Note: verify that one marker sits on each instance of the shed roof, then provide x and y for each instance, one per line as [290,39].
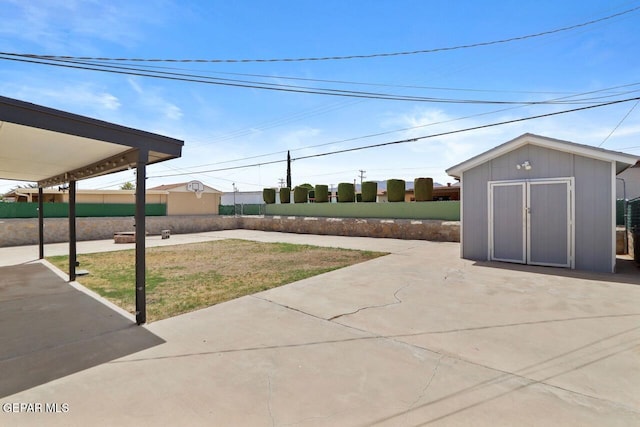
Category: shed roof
[623,160]
[51,147]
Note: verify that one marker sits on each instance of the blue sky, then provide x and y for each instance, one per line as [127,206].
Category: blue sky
[226,126]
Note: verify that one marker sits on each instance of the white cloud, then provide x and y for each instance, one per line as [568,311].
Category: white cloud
[80,97]
[74,26]
[299,137]
[151,98]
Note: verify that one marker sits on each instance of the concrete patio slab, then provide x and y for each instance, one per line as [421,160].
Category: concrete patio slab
[49,329]
[413,338]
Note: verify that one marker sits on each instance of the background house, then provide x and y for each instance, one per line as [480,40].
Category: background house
[182,200]
[628,184]
[172,199]
[51,195]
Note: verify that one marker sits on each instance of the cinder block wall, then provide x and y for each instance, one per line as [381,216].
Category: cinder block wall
[19,232]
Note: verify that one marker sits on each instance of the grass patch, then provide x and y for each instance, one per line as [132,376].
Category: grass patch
[184,278]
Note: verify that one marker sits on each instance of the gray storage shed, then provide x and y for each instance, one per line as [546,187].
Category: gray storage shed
[542,201]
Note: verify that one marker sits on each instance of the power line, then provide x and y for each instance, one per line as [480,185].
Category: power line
[345,57]
[467,129]
[619,123]
[268,86]
[404,141]
[345,82]
[408,128]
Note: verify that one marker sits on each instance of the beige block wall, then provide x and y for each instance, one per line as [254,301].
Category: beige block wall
[180,203]
[105,198]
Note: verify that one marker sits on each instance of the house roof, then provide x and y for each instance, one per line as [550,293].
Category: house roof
[623,160]
[168,186]
[51,147]
[180,185]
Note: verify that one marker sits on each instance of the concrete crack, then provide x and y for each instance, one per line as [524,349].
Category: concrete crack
[395,296]
[425,388]
[273,420]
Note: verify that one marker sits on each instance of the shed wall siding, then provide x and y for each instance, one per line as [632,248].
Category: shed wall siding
[593,214]
[475,213]
[593,200]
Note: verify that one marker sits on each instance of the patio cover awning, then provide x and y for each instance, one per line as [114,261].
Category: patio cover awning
[52,147]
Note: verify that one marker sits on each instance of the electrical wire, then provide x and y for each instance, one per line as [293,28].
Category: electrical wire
[408,128]
[268,86]
[619,123]
[346,57]
[345,82]
[404,141]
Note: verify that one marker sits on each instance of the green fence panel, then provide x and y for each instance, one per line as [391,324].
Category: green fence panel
[633,215]
[620,212]
[241,209]
[61,210]
[250,209]
[226,210]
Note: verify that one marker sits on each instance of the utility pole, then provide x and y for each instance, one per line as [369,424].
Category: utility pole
[234,199]
[288,169]
[281,182]
[362,177]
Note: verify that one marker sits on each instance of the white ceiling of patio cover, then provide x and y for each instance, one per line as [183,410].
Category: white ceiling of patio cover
[32,154]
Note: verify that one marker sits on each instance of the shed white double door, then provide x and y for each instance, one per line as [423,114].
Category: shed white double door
[531,222]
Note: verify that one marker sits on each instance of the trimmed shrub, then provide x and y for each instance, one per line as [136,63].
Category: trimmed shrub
[395,190]
[300,194]
[369,191]
[346,192]
[269,195]
[423,189]
[285,195]
[322,193]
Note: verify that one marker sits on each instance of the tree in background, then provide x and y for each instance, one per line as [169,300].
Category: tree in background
[127,186]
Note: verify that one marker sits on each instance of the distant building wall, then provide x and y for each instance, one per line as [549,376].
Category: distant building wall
[631,184]
[242,197]
[187,203]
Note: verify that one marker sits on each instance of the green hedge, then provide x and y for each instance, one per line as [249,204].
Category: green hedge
[369,191]
[346,192]
[423,189]
[300,194]
[269,195]
[321,194]
[285,195]
[395,190]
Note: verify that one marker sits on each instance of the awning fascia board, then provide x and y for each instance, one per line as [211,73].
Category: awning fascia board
[37,116]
